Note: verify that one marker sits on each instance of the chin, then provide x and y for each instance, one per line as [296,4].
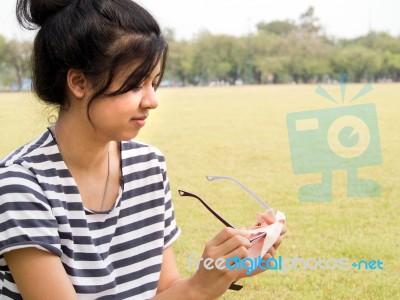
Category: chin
[128,136]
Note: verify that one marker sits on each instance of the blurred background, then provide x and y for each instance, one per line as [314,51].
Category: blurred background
[236,69]
[251,42]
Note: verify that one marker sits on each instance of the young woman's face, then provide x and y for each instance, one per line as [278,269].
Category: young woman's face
[120,117]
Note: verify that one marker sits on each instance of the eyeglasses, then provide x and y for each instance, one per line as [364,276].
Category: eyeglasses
[212,178]
[233,286]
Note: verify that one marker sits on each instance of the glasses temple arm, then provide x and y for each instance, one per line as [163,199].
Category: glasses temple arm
[258,199]
[183,193]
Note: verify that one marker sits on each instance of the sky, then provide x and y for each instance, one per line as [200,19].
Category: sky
[339,18]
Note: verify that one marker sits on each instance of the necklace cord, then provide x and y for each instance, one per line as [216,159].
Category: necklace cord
[108,167]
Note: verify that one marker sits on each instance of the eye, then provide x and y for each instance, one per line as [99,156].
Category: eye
[137,88]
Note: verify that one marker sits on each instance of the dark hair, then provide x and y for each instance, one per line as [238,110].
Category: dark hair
[97,37]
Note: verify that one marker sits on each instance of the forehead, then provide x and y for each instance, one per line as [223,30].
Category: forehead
[129,70]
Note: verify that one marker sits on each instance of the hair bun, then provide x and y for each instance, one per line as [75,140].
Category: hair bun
[32,14]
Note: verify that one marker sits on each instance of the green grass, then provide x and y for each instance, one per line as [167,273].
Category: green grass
[241,132]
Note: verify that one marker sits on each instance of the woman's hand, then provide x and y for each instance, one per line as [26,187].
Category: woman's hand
[229,243]
[213,277]
[267,218]
[272,251]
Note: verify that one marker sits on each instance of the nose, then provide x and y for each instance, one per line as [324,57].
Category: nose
[149,100]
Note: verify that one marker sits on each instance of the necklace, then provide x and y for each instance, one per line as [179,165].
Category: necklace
[108,166]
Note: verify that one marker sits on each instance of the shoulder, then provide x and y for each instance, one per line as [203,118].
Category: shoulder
[37,152]
[19,170]
[140,152]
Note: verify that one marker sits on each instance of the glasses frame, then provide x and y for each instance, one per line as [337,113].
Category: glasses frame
[183,193]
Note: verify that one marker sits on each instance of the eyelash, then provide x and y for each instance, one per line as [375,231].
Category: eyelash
[154,85]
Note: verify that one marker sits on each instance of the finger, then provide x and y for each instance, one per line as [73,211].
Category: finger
[278,242]
[226,234]
[238,253]
[233,243]
[271,263]
[272,251]
[283,229]
[268,216]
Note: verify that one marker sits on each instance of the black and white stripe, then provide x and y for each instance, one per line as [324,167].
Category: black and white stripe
[108,255]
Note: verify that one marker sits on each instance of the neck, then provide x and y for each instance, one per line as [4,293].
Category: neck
[79,144]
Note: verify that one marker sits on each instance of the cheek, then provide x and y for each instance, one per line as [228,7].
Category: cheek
[114,109]
[111,117]
[125,104]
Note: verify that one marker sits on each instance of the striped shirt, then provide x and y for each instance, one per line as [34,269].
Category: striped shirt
[107,255]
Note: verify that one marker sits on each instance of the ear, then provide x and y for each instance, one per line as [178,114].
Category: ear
[77,83]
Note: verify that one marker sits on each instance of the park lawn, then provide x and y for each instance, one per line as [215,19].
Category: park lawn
[241,132]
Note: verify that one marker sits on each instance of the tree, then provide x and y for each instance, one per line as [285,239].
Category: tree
[359,63]
[269,63]
[391,66]
[16,56]
[283,51]
[309,23]
[3,66]
[277,27]
[218,58]
[379,41]
[180,62]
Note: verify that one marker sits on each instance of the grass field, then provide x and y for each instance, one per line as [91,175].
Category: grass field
[241,132]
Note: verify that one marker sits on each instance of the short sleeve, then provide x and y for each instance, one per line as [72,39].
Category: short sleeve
[26,218]
[171,230]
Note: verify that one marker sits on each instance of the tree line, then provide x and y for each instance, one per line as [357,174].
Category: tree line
[283,52]
[278,52]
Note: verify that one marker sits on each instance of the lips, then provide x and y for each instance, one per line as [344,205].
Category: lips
[139,118]
[141,121]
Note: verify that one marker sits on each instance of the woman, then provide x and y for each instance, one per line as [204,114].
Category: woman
[86,211]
